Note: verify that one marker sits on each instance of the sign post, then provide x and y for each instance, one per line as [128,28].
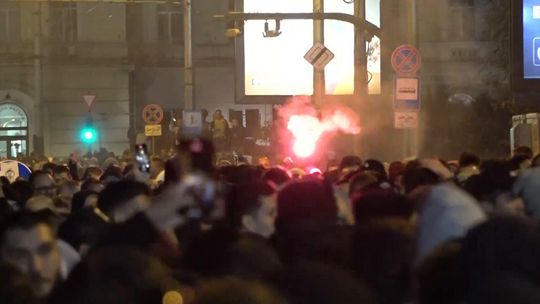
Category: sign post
[406,62]
[152,117]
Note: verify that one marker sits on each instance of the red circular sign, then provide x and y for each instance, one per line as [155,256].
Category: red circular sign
[406,60]
[153,114]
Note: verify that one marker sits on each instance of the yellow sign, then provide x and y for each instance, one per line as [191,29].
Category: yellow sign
[152,130]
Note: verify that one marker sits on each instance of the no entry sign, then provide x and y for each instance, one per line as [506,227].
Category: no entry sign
[406,60]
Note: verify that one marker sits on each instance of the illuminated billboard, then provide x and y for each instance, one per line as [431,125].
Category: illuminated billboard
[276,66]
[531,39]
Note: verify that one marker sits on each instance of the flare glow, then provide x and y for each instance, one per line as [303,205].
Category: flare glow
[307,127]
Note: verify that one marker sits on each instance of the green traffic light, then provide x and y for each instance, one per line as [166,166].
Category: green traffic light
[88,135]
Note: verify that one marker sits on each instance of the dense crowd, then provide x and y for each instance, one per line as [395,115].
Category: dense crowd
[192,231]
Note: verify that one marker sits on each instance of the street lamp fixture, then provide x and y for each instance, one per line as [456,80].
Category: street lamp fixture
[268,33]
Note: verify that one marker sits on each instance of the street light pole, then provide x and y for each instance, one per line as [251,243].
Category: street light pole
[188,59]
[360,72]
[319,86]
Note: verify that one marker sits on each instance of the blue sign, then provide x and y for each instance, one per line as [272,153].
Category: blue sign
[531,39]
[13,169]
[407,93]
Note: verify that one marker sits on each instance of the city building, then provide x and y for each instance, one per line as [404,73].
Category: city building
[127,55]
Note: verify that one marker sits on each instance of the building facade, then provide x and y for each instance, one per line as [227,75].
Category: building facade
[127,55]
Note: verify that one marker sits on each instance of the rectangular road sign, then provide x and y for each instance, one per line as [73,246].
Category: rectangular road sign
[152,130]
[407,93]
[405,120]
[319,56]
[192,123]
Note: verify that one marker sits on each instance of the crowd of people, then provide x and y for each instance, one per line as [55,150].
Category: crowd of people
[424,231]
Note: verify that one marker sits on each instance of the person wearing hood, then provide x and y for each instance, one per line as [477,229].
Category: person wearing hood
[527,186]
[445,213]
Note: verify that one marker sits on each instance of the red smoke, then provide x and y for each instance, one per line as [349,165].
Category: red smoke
[307,125]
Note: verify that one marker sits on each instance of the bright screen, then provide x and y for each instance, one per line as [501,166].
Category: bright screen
[531,39]
[276,66]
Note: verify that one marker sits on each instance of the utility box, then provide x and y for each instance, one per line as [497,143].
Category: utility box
[525,131]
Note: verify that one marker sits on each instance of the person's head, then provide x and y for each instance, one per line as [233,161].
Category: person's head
[43,183]
[502,245]
[395,171]
[376,167]
[24,191]
[383,256]
[377,204]
[65,196]
[112,174]
[439,276]
[84,199]
[350,163]
[218,114]
[48,167]
[123,199]
[82,230]
[319,283]
[415,176]
[446,212]
[92,184]
[503,288]
[61,174]
[252,207]
[520,162]
[15,286]
[467,159]
[231,290]
[277,176]
[29,243]
[115,274]
[309,200]
[222,251]
[359,181]
[92,172]
[523,150]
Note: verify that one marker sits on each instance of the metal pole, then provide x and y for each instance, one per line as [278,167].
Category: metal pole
[360,73]
[188,59]
[412,134]
[38,107]
[318,36]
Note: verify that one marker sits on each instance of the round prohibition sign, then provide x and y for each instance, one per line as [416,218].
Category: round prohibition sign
[406,60]
[153,114]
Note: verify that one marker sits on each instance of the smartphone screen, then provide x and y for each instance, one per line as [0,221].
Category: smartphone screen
[141,155]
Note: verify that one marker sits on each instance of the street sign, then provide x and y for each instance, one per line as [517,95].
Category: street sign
[13,169]
[405,120]
[407,93]
[152,130]
[192,123]
[89,99]
[319,56]
[406,60]
[153,114]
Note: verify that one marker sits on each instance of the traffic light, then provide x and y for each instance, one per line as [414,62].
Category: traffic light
[89,133]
